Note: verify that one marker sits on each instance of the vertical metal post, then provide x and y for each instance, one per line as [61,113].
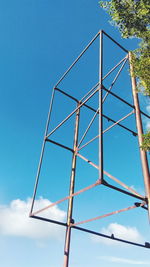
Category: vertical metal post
[101,108]
[143,154]
[72,184]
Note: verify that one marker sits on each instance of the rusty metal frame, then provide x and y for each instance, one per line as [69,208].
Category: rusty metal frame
[103,93]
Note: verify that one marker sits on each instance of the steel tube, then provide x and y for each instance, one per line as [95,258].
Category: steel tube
[101,107]
[109,119]
[115,67]
[115,79]
[89,126]
[72,185]
[58,144]
[89,92]
[66,94]
[116,123]
[143,154]
[111,126]
[108,214]
[146,115]
[65,198]
[125,50]
[121,125]
[112,237]
[121,99]
[123,191]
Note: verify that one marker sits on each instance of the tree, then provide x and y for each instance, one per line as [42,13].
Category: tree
[132,17]
[146,143]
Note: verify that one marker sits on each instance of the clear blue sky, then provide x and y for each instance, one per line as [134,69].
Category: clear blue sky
[39,40]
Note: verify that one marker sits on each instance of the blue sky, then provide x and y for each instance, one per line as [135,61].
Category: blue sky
[39,41]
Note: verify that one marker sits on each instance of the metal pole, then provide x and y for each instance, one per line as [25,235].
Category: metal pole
[72,183]
[143,154]
[101,108]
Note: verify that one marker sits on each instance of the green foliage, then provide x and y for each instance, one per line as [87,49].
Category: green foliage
[146,142]
[132,17]
[142,65]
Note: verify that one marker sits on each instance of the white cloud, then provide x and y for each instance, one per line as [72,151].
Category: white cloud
[15,220]
[119,231]
[125,261]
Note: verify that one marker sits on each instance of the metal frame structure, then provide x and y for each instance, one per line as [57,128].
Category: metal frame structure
[144,201]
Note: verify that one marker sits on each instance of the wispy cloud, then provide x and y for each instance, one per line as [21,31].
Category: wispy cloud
[124,261]
[15,220]
[119,231]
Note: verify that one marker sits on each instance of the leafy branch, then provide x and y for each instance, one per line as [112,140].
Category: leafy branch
[132,17]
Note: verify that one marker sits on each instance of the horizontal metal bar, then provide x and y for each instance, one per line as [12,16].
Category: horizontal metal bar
[108,91]
[145,208]
[47,220]
[121,125]
[125,50]
[58,144]
[146,115]
[66,94]
[109,119]
[122,190]
[116,123]
[112,237]
[89,107]
[120,98]
[122,184]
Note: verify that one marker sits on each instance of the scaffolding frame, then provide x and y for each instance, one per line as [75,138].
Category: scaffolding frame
[77,147]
